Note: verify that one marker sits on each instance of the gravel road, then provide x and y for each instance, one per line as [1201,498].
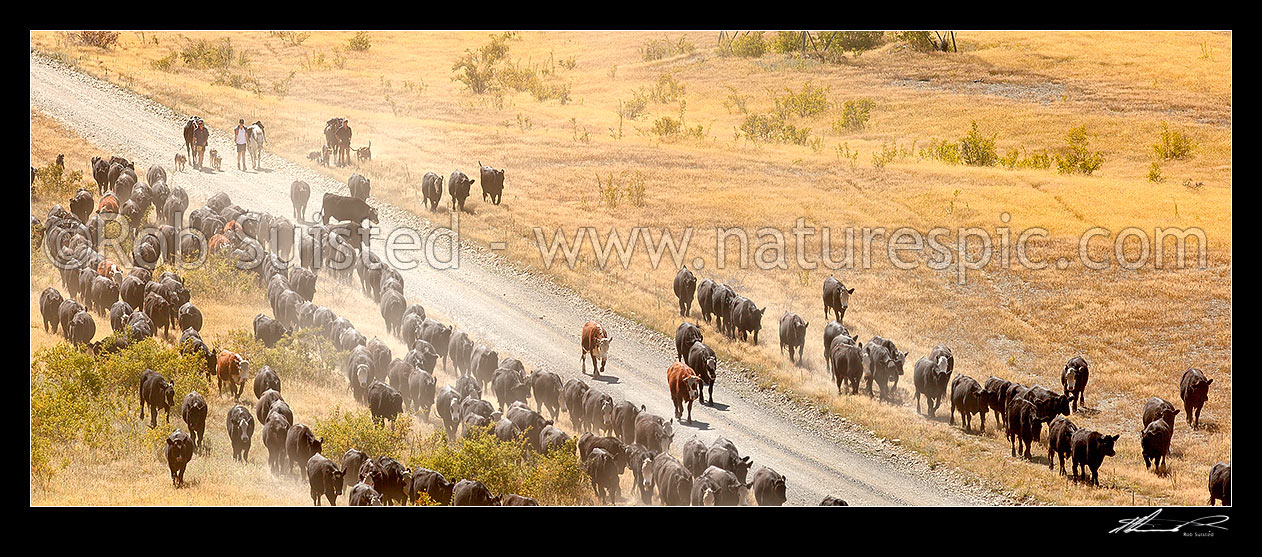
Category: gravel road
[533,319]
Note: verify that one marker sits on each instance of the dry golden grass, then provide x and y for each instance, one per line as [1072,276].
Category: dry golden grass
[1138,329]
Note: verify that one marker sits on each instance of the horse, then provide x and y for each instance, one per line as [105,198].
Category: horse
[254,142]
[189,127]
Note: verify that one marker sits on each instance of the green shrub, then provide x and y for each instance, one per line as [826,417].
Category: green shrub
[477,69]
[553,479]
[304,354]
[807,102]
[654,49]
[942,150]
[165,63]
[360,42]
[1154,174]
[976,149]
[548,91]
[203,54]
[747,45]
[667,89]
[1010,159]
[926,41]
[99,39]
[633,108]
[787,42]
[1174,144]
[855,42]
[1077,158]
[855,114]
[735,101]
[355,429]
[773,128]
[217,278]
[55,182]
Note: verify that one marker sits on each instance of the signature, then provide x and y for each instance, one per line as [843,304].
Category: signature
[1151,523]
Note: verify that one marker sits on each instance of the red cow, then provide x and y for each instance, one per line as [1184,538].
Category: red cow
[218,242]
[109,204]
[595,342]
[234,369]
[685,386]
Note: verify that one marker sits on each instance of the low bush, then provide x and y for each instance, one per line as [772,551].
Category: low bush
[218,278]
[304,354]
[1173,145]
[360,42]
[99,39]
[55,182]
[554,479]
[654,49]
[1077,158]
[747,45]
[807,102]
[355,429]
[977,149]
[855,114]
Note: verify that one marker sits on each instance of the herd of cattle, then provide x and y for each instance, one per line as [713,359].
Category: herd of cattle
[1020,409]
[616,435]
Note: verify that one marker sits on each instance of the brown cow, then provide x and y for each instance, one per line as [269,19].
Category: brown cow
[234,369]
[219,242]
[596,342]
[109,204]
[685,386]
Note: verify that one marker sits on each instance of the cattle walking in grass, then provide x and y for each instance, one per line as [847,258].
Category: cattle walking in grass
[492,180]
[1060,441]
[300,445]
[685,335]
[158,394]
[793,334]
[1089,449]
[240,432]
[233,369]
[325,479]
[179,451]
[1220,484]
[431,190]
[836,298]
[1194,390]
[1074,380]
[968,398]
[931,378]
[685,287]
[1154,442]
[193,411]
[1159,409]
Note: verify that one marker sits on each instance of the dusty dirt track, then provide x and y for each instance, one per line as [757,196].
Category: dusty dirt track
[530,318]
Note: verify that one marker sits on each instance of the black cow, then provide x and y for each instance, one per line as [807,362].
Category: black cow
[472,493]
[685,288]
[120,314]
[325,479]
[674,483]
[49,302]
[458,185]
[420,388]
[685,335]
[703,361]
[275,431]
[624,415]
[836,298]
[1220,484]
[300,444]
[179,450]
[1159,409]
[546,388]
[694,456]
[640,460]
[263,406]
[1154,442]
[768,487]
[846,361]
[746,318]
[344,208]
[240,432]
[384,402]
[266,380]
[831,501]
[514,500]
[600,467]
[1060,441]
[1074,380]
[552,439]
[597,411]
[482,364]
[968,397]
[653,432]
[1194,390]
[492,183]
[359,186]
[269,330]
[81,328]
[352,462]
[508,387]
[432,484]
[432,190]
[299,194]
[720,304]
[572,394]
[715,486]
[193,411]
[723,453]
[931,379]
[1089,449]
[438,335]
[792,334]
[188,316]
[157,393]
[460,349]
[998,396]
[833,330]
[705,291]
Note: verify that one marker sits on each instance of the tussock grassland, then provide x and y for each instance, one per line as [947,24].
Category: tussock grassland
[1139,329]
